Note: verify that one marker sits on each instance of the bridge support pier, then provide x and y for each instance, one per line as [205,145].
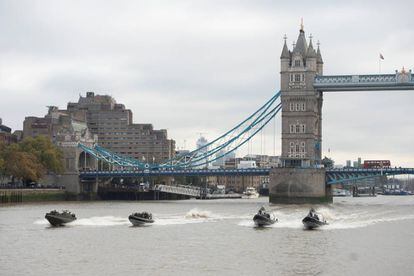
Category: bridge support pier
[298,186]
[74,185]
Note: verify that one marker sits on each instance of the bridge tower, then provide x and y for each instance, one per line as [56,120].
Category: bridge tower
[301,104]
[300,179]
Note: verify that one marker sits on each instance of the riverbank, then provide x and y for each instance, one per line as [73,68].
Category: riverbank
[8,196]
[33,195]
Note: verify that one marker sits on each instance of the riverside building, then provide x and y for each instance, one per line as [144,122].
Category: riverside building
[5,134]
[113,124]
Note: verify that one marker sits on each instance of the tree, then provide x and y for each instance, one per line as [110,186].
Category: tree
[30,159]
[2,162]
[328,162]
[23,165]
[45,151]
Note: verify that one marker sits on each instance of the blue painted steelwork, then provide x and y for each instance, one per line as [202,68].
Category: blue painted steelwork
[333,176]
[183,172]
[338,176]
[222,146]
[399,81]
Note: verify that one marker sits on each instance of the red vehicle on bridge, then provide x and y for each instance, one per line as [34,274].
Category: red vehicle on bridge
[376,164]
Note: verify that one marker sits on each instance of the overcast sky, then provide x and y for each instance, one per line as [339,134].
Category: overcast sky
[202,66]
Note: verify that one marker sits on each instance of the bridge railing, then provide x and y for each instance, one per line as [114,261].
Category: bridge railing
[399,81]
[186,190]
[336,176]
[172,172]
[356,79]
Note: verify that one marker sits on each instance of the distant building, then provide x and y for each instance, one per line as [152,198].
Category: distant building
[247,164]
[5,134]
[220,162]
[236,183]
[201,145]
[113,124]
[201,142]
[232,163]
[221,159]
[66,132]
[348,163]
[264,161]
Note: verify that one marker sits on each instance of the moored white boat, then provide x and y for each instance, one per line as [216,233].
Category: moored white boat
[250,193]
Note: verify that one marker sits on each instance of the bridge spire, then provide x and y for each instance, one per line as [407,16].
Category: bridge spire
[318,54]
[301,25]
[301,44]
[311,52]
[285,51]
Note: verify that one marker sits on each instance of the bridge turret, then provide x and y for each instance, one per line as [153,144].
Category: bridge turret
[311,56]
[285,57]
[301,104]
[319,61]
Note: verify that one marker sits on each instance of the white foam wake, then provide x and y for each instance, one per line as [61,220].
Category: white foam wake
[41,222]
[198,214]
[101,221]
[337,219]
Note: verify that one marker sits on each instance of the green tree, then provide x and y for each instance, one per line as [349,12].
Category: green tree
[22,165]
[30,159]
[50,157]
[1,166]
[2,162]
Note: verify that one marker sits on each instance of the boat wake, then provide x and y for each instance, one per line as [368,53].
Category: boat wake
[198,214]
[337,219]
[41,222]
[101,221]
[193,216]
[92,221]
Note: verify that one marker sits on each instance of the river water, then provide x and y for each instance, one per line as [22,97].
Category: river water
[365,236]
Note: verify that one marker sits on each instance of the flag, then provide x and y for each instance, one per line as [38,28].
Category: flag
[381,56]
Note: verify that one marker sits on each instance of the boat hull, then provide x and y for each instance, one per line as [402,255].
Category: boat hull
[260,220]
[312,223]
[138,221]
[58,220]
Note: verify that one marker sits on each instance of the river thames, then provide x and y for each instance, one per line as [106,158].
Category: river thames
[365,236]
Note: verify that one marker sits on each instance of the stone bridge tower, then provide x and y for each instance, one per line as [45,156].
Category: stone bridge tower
[301,104]
[300,179]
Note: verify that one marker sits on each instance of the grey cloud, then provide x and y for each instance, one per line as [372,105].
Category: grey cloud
[202,66]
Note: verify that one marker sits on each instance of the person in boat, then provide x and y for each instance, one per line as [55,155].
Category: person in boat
[262,210]
[312,214]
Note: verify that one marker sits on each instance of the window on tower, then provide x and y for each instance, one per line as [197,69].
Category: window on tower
[297,149]
[297,63]
[297,128]
[303,106]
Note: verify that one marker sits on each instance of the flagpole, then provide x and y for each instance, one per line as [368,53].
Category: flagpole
[379,65]
[379,62]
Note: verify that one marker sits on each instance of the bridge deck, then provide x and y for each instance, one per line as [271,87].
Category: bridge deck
[331,173]
[181,190]
[397,81]
[199,172]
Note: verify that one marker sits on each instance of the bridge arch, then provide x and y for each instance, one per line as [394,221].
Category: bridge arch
[86,161]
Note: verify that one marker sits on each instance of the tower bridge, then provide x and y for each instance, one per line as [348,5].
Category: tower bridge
[301,178]
[302,86]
